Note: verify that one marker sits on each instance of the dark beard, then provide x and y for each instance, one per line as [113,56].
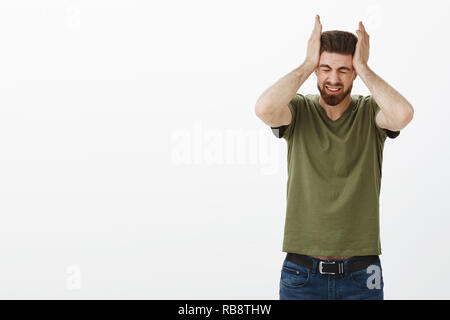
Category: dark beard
[333,99]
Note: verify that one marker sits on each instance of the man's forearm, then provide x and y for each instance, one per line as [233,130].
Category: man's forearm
[281,92]
[396,109]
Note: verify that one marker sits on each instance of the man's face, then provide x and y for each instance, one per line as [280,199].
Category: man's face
[335,71]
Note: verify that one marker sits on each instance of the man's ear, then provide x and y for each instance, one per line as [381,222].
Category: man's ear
[354,74]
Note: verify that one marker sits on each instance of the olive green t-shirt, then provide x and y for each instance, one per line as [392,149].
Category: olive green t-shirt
[334,178]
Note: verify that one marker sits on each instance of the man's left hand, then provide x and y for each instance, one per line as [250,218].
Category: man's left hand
[361,55]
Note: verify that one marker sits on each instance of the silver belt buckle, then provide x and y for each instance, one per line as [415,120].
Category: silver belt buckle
[321,267]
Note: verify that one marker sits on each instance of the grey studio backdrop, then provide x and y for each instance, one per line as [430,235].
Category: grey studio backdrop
[132,164]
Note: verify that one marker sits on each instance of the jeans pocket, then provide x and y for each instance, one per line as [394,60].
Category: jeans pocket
[293,275]
[370,277]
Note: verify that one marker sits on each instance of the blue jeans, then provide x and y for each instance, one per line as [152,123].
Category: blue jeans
[301,283]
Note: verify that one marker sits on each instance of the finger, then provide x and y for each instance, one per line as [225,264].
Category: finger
[317,24]
[317,27]
[361,27]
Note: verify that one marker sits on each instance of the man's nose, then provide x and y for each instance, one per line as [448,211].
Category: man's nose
[334,78]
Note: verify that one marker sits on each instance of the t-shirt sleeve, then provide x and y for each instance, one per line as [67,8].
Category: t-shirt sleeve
[294,105]
[383,132]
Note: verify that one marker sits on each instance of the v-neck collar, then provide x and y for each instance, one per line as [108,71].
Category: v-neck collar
[325,116]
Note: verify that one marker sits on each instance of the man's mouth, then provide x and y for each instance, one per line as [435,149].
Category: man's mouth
[333,90]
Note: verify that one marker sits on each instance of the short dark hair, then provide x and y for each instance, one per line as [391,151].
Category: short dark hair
[337,41]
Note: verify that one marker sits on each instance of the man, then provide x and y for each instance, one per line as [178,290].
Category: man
[335,149]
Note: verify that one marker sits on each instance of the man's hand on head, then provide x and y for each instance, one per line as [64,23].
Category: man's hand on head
[361,55]
[313,49]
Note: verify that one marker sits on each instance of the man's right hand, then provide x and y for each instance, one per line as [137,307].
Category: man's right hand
[313,50]
[272,107]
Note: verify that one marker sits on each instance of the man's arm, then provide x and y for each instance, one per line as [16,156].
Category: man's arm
[395,111]
[272,106]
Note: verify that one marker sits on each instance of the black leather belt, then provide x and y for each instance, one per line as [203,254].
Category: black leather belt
[334,266]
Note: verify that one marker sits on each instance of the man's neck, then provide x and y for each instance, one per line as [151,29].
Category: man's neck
[335,112]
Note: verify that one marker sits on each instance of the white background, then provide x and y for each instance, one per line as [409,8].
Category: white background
[132,164]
